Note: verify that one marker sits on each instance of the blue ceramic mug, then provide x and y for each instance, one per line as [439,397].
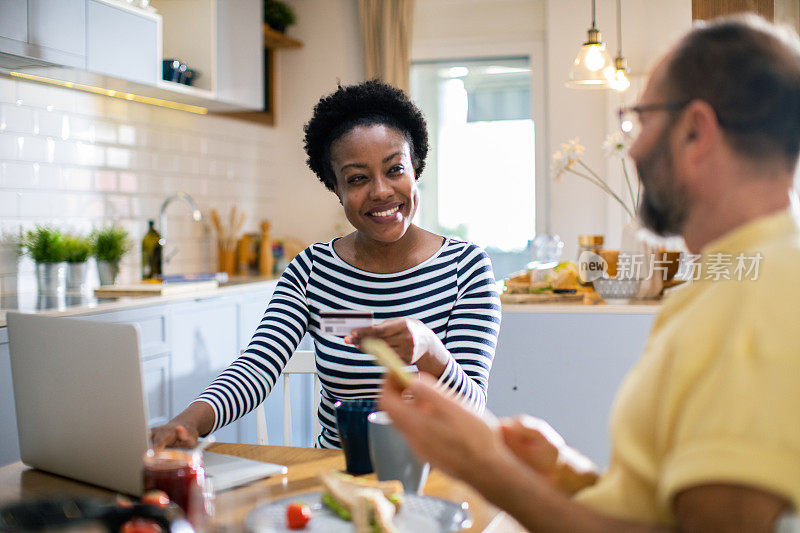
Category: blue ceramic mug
[351,419]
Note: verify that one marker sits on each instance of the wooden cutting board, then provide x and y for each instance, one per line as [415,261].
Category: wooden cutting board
[154,289]
[541,298]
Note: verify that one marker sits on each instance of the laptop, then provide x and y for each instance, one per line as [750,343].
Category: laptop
[80,404]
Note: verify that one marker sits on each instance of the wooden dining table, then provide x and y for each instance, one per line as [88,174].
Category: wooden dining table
[19,482]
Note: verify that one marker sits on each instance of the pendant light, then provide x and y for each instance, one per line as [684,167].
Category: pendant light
[592,67]
[619,78]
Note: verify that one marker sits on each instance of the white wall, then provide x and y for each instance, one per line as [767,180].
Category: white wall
[648,29]
[80,160]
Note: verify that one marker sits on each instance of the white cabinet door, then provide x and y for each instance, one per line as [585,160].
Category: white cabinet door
[122,43]
[9,441]
[203,336]
[240,48]
[156,378]
[57,31]
[14,20]
[566,368]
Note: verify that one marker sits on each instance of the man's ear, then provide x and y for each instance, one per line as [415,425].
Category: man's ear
[700,130]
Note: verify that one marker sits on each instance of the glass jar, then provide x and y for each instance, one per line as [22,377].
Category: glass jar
[590,263]
[180,473]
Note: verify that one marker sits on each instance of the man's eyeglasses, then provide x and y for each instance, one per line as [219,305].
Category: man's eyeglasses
[630,116]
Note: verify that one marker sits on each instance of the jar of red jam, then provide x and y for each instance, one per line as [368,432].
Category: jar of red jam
[180,473]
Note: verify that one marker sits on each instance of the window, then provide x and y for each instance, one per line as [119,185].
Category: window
[479,183]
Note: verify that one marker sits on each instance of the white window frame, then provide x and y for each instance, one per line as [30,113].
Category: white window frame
[534,49]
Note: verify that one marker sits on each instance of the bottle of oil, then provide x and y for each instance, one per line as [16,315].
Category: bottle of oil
[151,253]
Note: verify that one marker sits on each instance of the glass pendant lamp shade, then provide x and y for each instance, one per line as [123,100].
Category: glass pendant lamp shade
[592,68]
[619,76]
[619,79]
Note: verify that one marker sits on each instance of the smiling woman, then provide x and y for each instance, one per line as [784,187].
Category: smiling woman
[433,299]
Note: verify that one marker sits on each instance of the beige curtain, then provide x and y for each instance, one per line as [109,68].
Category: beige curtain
[386,37]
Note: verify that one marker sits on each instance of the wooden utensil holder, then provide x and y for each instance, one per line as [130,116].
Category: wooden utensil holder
[227,261]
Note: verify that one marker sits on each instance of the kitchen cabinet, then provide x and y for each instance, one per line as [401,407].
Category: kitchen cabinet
[565,368]
[156,378]
[708,9]
[222,40]
[14,22]
[122,42]
[57,31]
[204,338]
[9,445]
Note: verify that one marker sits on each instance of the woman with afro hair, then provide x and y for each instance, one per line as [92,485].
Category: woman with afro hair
[432,298]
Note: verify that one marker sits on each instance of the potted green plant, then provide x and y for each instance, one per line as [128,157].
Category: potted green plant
[278,15]
[110,244]
[78,250]
[45,245]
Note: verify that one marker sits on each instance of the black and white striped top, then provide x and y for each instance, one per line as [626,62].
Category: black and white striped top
[453,292]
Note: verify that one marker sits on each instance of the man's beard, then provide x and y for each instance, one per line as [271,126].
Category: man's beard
[664,205]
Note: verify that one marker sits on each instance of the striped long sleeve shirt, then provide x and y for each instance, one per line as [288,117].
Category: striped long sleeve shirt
[452,292]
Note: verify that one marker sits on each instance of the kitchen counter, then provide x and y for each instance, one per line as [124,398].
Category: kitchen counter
[641,307]
[80,303]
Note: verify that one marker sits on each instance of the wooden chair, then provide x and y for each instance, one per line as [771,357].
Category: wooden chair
[302,362]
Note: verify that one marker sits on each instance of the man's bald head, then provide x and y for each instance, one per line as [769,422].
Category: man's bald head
[749,71]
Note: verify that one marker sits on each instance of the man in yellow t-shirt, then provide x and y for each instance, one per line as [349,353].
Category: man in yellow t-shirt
[706,426]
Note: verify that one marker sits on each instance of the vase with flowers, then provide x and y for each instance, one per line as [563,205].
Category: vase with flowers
[637,244]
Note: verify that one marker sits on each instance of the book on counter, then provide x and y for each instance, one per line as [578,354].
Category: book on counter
[220,277]
[170,284]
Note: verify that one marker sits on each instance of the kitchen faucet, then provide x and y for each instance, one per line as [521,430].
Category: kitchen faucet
[162,222]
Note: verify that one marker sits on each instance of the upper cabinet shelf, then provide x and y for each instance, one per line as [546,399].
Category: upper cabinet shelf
[274,39]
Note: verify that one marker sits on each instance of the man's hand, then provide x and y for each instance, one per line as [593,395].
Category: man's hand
[540,447]
[442,431]
[409,337]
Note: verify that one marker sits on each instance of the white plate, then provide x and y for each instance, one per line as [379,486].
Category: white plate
[418,513]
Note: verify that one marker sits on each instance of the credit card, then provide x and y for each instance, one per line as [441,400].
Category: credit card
[342,322]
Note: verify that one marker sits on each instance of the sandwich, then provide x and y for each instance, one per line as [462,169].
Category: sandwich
[370,505]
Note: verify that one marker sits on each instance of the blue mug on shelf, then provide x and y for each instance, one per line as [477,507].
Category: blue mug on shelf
[351,419]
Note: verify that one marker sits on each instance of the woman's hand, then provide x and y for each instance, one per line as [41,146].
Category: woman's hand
[540,447]
[175,435]
[414,342]
[184,430]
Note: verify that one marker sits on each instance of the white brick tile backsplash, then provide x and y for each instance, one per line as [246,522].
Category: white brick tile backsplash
[105,180]
[17,119]
[50,123]
[35,204]
[32,148]
[89,155]
[105,132]
[126,135]
[65,153]
[8,90]
[36,95]
[49,176]
[9,203]
[77,178]
[128,182]
[80,161]
[17,175]
[118,158]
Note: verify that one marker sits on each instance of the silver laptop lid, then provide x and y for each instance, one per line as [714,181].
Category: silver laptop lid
[79,399]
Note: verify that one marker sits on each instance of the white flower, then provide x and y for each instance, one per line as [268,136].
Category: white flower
[558,165]
[563,159]
[573,147]
[616,145]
